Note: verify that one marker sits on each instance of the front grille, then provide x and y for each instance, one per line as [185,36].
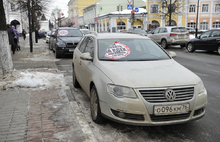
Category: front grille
[158,95]
[69,44]
[162,118]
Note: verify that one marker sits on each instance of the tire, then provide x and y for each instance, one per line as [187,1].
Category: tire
[95,107]
[219,49]
[190,47]
[57,55]
[75,82]
[164,43]
[182,45]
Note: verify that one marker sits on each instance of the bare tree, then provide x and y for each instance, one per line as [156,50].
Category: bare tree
[170,9]
[56,15]
[5,55]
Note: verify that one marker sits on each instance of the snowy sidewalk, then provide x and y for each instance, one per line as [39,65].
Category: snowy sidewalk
[34,106]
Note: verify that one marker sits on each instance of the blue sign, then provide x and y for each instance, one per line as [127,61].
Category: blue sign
[95,22]
[129,6]
[136,9]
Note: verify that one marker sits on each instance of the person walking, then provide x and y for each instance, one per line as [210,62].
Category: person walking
[36,35]
[24,34]
[15,38]
[11,35]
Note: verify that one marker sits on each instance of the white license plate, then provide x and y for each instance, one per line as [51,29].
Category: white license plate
[171,109]
[71,50]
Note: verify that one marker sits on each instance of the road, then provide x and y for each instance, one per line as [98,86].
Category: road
[205,65]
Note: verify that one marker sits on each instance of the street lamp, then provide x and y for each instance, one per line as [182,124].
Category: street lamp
[30,30]
[197,18]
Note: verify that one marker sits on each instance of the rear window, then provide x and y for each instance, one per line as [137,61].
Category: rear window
[180,29]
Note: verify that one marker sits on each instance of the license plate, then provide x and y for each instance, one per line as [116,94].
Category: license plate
[171,109]
[71,50]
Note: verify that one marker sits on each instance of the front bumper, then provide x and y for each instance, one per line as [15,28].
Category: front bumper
[178,41]
[140,112]
[65,50]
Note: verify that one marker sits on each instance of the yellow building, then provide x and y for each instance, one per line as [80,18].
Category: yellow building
[157,13]
[75,9]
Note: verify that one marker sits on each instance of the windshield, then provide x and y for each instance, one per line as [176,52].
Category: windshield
[69,33]
[140,31]
[179,29]
[130,50]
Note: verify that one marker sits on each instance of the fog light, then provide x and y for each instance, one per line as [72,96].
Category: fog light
[121,115]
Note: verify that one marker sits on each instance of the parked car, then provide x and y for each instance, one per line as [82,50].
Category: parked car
[66,40]
[137,31]
[170,35]
[47,36]
[132,80]
[51,40]
[42,34]
[84,31]
[209,41]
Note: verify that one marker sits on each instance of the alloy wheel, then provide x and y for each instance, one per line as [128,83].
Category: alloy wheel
[219,49]
[94,104]
[164,44]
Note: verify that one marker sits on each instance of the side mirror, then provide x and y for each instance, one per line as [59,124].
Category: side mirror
[172,54]
[86,56]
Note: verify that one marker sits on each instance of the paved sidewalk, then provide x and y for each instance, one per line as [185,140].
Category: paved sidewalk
[34,115]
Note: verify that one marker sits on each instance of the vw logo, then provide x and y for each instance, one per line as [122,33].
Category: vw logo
[170,95]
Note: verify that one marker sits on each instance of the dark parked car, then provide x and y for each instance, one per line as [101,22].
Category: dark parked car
[66,40]
[42,34]
[51,39]
[209,41]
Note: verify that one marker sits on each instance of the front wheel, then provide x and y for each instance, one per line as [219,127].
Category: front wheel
[57,55]
[164,43]
[95,107]
[75,81]
[190,47]
[219,49]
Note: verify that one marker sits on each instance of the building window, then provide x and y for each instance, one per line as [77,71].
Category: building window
[205,7]
[192,24]
[192,8]
[103,26]
[173,23]
[100,28]
[121,25]
[12,7]
[154,25]
[217,7]
[108,29]
[216,25]
[154,8]
[204,25]
[173,7]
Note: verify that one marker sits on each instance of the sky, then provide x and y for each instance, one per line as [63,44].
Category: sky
[62,4]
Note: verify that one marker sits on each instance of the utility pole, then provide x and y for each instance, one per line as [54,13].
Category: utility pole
[30,27]
[197,19]
[170,13]
[132,15]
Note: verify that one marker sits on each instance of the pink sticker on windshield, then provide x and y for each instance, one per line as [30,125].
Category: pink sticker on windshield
[117,50]
[63,32]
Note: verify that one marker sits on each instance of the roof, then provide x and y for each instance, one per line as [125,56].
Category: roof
[117,35]
[126,12]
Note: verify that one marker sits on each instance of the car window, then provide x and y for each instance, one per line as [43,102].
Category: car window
[90,46]
[178,29]
[130,50]
[215,34]
[163,30]
[156,31]
[69,33]
[205,35]
[83,45]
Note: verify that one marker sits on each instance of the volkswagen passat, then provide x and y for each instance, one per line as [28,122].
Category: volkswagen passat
[132,80]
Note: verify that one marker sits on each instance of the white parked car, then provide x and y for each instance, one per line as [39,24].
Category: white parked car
[48,37]
[132,80]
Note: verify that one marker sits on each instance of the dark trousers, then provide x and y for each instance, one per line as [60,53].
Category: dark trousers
[36,39]
[16,43]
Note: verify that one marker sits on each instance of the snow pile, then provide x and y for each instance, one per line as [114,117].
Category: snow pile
[41,80]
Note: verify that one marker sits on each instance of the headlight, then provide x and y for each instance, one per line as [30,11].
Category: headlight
[200,87]
[60,44]
[121,92]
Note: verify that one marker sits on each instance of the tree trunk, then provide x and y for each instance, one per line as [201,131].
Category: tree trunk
[5,54]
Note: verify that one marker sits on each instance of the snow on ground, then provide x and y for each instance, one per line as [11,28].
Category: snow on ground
[44,56]
[26,79]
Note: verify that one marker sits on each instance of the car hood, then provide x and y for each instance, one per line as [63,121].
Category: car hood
[142,74]
[69,39]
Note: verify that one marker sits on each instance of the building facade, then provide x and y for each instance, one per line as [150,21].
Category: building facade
[209,14]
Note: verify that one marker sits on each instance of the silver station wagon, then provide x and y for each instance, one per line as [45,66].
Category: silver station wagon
[130,79]
[170,35]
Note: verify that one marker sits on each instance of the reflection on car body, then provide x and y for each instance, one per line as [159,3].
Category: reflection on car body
[131,80]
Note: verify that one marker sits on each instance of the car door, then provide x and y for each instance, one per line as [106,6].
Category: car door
[213,41]
[155,35]
[162,34]
[78,62]
[202,42]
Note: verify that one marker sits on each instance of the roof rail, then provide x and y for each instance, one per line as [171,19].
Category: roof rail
[94,32]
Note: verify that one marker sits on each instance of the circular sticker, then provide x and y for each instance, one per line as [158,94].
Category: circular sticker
[117,50]
[53,33]
[63,32]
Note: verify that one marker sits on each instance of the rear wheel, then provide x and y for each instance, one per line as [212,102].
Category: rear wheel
[190,47]
[95,107]
[75,82]
[164,43]
[219,49]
